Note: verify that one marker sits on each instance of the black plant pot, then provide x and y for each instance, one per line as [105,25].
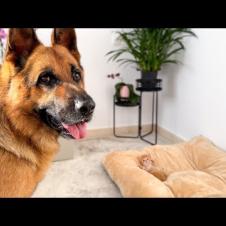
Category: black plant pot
[149,75]
[149,82]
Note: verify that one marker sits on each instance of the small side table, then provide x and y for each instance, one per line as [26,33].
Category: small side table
[154,115]
[120,104]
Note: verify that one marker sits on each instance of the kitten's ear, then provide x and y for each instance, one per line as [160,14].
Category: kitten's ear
[67,38]
[20,44]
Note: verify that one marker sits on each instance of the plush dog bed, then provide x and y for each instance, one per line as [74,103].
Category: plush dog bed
[196,168]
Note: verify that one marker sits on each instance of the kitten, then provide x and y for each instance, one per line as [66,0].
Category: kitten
[147,163]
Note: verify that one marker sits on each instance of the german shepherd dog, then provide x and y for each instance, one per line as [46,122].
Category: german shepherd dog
[42,97]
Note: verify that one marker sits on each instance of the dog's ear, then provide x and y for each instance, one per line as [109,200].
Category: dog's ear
[21,42]
[67,38]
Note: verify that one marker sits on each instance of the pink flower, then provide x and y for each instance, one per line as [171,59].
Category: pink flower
[2,33]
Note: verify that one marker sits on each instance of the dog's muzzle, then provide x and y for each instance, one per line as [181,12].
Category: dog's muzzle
[70,120]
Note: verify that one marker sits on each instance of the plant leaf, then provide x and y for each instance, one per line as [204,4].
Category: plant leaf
[149,48]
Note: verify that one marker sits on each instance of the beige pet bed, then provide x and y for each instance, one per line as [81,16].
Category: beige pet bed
[191,169]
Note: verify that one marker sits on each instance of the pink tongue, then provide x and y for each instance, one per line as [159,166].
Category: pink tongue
[77,130]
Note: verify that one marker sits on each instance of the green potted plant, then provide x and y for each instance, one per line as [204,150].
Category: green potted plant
[124,93]
[150,48]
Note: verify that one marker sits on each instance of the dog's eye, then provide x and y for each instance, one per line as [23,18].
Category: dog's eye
[75,73]
[47,79]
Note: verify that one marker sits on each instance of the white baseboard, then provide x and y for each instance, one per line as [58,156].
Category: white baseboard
[106,132]
[66,151]
[169,135]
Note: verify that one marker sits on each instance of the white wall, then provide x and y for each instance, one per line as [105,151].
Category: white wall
[193,100]
[93,45]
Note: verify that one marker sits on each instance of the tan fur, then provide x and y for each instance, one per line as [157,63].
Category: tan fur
[148,164]
[196,168]
[27,145]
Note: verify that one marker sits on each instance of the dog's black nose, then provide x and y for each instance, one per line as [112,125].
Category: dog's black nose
[85,105]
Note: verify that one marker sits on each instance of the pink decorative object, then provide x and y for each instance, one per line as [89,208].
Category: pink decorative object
[124,92]
[2,33]
[2,42]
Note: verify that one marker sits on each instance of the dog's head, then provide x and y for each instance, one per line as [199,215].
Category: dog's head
[47,83]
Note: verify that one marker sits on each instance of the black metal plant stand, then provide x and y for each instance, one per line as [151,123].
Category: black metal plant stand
[154,116]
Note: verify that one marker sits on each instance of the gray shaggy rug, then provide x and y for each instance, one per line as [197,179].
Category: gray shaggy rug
[84,175]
